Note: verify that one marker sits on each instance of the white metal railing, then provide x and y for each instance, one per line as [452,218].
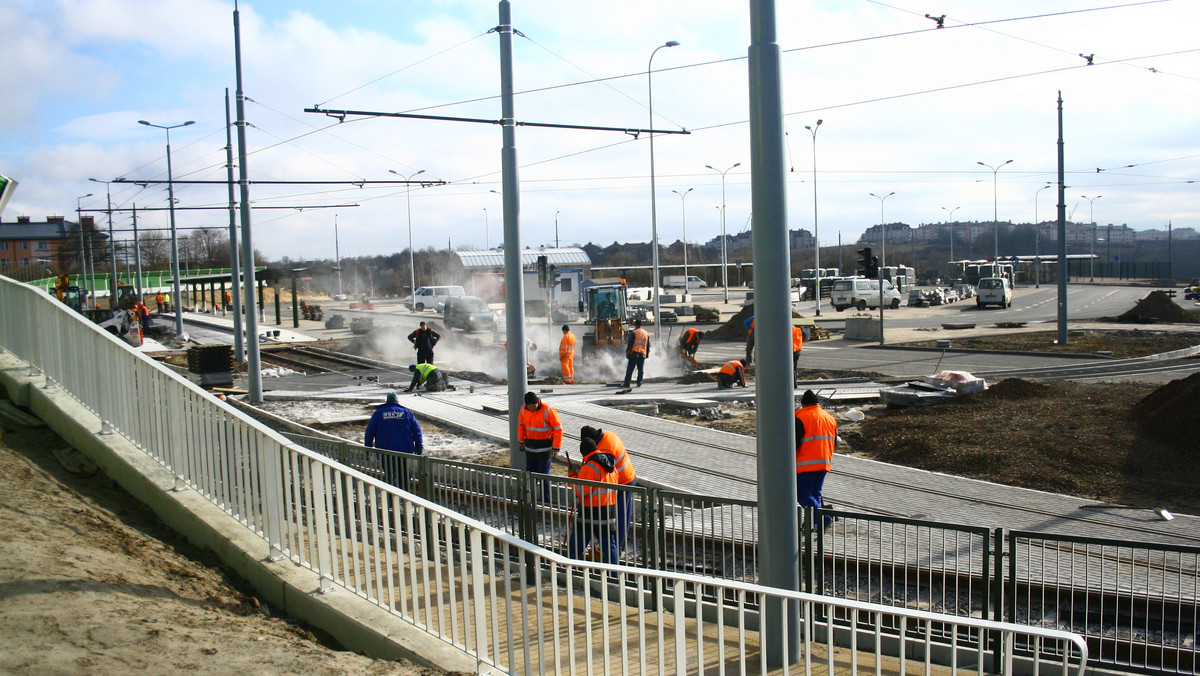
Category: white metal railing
[508,603]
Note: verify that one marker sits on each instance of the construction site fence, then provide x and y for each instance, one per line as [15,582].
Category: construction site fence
[510,604]
[1135,603]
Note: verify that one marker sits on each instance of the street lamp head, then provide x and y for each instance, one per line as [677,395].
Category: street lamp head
[672,43]
[819,122]
[145,123]
[87,195]
[1008,162]
[981,164]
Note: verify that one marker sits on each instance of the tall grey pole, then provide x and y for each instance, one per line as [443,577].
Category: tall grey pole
[655,280]
[1062,232]
[235,277]
[254,388]
[137,256]
[816,235]
[82,247]
[724,252]
[112,251]
[514,292]
[778,522]
[951,211]
[1037,238]
[882,256]
[556,229]
[412,261]
[683,221]
[337,254]
[174,237]
[995,211]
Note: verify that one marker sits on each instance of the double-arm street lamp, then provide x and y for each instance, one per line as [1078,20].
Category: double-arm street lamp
[1092,219]
[882,232]
[951,221]
[178,299]
[995,211]
[683,219]
[653,206]
[412,269]
[816,236]
[724,254]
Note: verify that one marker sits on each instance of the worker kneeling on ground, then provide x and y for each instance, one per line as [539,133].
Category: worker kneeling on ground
[427,375]
[539,432]
[394,428]
[689,342]
[816,436]
[595,506]
[732,373]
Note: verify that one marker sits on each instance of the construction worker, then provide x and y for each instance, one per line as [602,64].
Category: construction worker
[427,375]
[797,345]
[539,432]
[394,428]
[594,514]
[423,340]
[609,442]
[158,300]
[732,373]
[566,355]
[167,301]
[636,351]
[816,436]
[749,324]
[689,342]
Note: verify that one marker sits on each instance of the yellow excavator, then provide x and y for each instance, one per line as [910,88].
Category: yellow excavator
[608,313]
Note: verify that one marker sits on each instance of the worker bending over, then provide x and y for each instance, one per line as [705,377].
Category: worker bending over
[595,514]
[732,373]
[689,342]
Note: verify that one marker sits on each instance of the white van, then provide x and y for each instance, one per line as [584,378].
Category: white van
[862,293]
[429,297]
[677,281]
[993,291]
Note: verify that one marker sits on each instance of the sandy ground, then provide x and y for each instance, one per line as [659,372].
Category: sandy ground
[94,583]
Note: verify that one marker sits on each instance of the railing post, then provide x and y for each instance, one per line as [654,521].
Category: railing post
[997,587]
[527,517]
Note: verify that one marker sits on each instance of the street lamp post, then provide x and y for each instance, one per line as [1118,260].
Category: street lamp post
[337,255]
[82,263]
[816,236]
[724,252]
[1037,239]
[653,206]
[412,270]
[556,228]
[882,231]
[177,298]
[1092,220]
[112,248]
[683,219]
[486,243]
[995,212]
[951,222]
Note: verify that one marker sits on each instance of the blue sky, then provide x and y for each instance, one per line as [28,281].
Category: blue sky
[906,108]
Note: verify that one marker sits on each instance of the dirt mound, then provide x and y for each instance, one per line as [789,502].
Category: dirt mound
[1171,413]
[735,328]
[697,377]
[1015,389]
[1157,307]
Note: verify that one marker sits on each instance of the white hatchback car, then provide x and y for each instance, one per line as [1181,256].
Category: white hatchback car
[993,291]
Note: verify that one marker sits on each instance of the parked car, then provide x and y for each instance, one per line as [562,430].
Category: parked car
[862,293]
[469,313]
[994,291]
[430,296]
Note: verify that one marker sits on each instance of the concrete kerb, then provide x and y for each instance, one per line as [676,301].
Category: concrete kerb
[356,623]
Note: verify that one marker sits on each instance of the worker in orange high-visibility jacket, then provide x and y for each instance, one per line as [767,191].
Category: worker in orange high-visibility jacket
[797,345]
[566,355]
[636,351]
[609,442]
[689,342]
[539,432]
[816,436]
[732,373]
[595,509]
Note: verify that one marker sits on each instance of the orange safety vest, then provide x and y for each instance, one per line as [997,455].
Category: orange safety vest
[540,429]
[730,368]
[595,496]
[566,348]
[641,341]
[687,337]
[815,451]
[797,339]
[611,443]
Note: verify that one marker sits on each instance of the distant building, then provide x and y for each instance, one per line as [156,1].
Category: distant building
[26,242]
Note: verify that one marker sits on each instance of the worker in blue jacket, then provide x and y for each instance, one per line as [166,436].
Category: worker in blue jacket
[394,428]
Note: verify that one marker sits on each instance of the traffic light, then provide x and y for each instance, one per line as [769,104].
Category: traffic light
[873,271]
[864,262]
[551,277]
[542,271]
